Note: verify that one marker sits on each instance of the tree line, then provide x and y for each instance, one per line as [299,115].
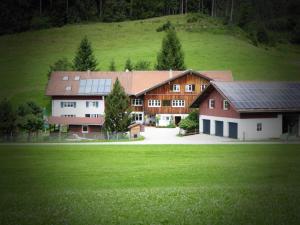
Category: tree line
[22,15]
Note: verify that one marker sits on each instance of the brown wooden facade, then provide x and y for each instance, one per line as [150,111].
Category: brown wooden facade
[165,93]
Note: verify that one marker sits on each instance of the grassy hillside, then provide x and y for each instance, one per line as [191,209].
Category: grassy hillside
[162,184]
[208,45]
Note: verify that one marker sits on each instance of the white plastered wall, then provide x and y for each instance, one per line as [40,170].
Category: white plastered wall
[166,118]
[80,109]
[271,127]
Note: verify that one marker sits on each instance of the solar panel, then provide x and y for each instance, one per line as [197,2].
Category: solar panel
[95,86]
[262,95]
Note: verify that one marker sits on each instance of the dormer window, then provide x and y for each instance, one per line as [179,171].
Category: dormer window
[176,88]
[225,105]
[68,88]
[211,103]
[65,78]
[77,78]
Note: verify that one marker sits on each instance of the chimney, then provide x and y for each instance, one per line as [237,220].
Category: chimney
[170,73]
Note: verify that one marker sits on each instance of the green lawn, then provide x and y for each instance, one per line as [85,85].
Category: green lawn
[165,184]
[208,45]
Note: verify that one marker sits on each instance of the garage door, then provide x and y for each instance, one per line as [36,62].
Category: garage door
[233,130]
[206,126]
[219,128]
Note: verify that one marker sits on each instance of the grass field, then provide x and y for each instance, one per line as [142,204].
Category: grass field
[207,184]
[208,45]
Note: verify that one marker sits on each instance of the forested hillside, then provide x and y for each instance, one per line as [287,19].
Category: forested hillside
[261,19]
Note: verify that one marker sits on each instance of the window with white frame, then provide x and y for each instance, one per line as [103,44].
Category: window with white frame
[68,104]
[225,105]
[178,103]
[259,127]
[68,115]
[92,115]
[176,88]
[154,103]
[137,117]
[94,104]
[189,87]
[65,78]
[211,103]
[85,129]
[137,102]
[203,86]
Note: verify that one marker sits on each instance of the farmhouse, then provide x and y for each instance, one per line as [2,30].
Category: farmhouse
[249,110]
[157,97]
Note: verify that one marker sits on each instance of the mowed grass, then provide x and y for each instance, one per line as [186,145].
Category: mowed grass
[209,45]
[159,184]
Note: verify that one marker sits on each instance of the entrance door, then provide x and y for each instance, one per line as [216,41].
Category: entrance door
[219,128]
[233,130]
[177,120]
[206,126]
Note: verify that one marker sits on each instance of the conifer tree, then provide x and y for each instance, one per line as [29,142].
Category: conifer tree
[112,66]
[117,109]
[85,59]
[128,65]
[171,55]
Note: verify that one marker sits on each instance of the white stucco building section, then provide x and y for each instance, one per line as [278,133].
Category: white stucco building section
[247,128]
[80,110]
[166,119]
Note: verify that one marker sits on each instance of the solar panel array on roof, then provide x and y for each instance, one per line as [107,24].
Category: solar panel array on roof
[95,86]
[261,95]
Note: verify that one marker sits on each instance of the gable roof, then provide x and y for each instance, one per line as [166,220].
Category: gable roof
[134,83]
[256,96]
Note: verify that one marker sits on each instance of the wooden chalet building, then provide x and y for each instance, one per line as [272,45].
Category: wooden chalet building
[157,97]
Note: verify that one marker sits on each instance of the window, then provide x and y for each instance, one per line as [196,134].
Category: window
[211,103]
[137,116]
[77,78]
[65,78]
[85,129]
[177,103]
[92,115]
[68,88]
[154,103]
[137,102]
[189,87]
[176,88]
[225,105]
[95,104]
[203,86]
[68,115]
[68,104]
[259,127]
[166,102]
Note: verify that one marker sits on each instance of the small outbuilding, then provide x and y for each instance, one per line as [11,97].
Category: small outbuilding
[250,110]
[135,130]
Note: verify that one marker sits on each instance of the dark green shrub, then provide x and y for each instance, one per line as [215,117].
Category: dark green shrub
[188,124]
[166,26]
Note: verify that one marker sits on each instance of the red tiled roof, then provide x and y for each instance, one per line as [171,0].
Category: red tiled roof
[133,82]
[75,120]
